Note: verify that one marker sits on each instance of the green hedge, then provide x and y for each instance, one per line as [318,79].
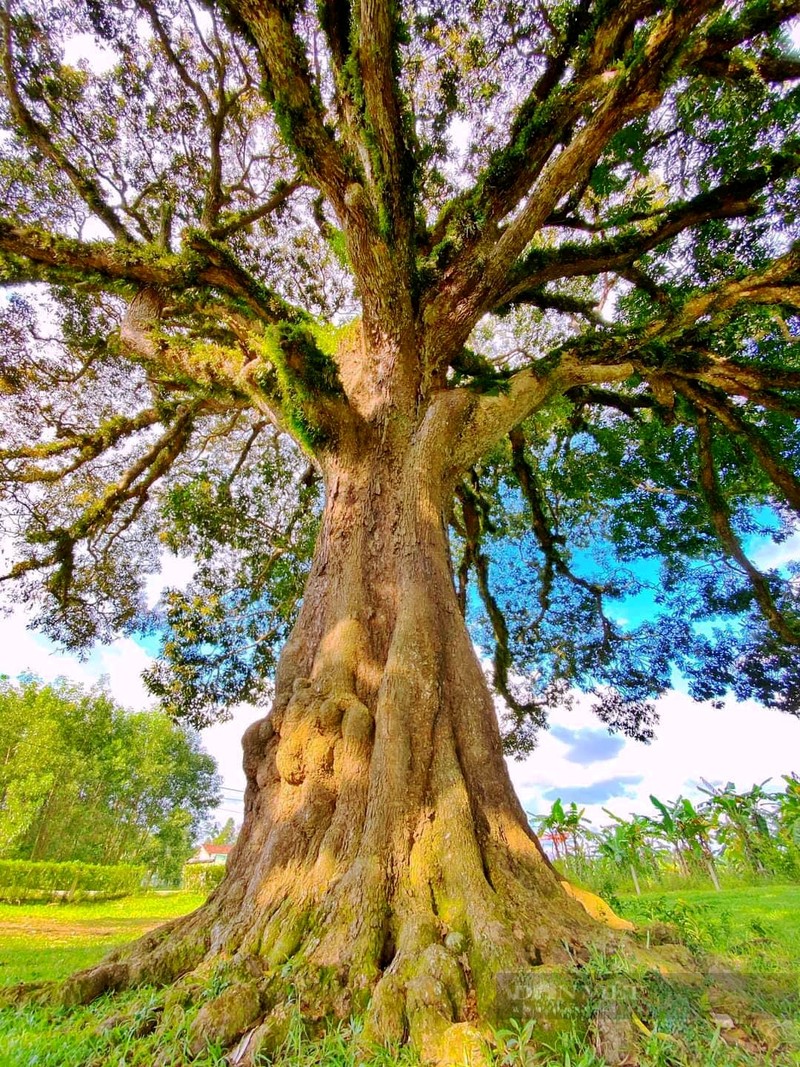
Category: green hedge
[25,880]
[202,877]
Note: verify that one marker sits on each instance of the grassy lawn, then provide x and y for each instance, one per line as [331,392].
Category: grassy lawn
[49,941]
[752,923]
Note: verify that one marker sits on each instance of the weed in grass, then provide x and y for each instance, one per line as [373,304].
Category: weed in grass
[338,1046]
[700,927]
[218,981]
[569,1049]
[514,1044]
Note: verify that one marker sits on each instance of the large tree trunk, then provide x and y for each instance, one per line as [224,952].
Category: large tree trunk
[385,862]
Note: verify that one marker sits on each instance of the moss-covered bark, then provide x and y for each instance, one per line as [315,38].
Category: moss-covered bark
[385,864]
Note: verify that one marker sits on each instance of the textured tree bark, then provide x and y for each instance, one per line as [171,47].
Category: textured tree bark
[385,862]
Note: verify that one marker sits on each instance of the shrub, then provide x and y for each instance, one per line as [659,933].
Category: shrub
[202,877]
[27,880]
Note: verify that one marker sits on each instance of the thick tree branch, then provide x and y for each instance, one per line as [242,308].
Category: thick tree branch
[775,69]
[727,35]
[617,97]
[538,129]
[489,418]
[268,372]
[626,405]
[384,277]
[736,377]
[134,485]
[778,283]
[386,120]
[85,446]
[295,98]
[603,358]
[235,223]
[33,254]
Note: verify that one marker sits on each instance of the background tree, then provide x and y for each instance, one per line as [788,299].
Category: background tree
[226,835]
[83,779]
[258,285]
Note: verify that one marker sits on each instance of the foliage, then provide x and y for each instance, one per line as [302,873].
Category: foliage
[83,779]
[700,927]
[742,821]
[732,833]
[790,810]
[607,277]
[25,880]
[626,844]
[202,877]
[226,835]
[564,828]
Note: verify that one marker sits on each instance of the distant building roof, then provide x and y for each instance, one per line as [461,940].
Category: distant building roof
[208,853]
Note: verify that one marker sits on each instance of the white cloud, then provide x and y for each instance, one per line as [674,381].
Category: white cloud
[176,573]
[224,742]
[741,742]
[770,555]
[23,651]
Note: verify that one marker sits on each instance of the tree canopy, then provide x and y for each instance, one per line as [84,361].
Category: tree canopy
[83,779]
[578,217]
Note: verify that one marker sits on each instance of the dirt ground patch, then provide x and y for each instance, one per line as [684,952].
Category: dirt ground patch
[51,927]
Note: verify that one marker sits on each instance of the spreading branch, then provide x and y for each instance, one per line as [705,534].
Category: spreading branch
[30,253]
[717,405]
[42,139]
[543,177]
[732,199]
[721,520]
[530,713]
[296,99]
[491,417]
[133,487]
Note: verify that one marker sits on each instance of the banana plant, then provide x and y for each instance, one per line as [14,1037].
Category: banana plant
[789,809]
[789,802]
[687,830]
[564,825]
[742,820]
[627,844]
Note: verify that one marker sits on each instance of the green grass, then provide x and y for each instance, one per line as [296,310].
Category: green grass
[759,926]
[39,942]
[748,923]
